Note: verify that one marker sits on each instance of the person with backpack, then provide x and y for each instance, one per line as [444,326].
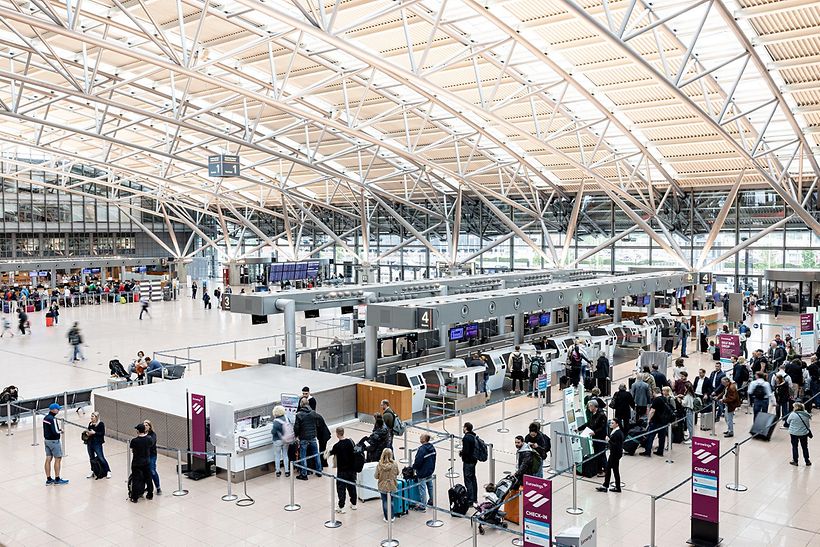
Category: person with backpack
[661,414]
[344,452]
[469,461]
[539,442]
[378,439]
[760,392]
[95,437]
[424,465]
[575,362]
[744,332]
[613,462]
[306,431]
[528,462]
[392,421]
[75,339]
[206,300]
[515,364]
[777,304]
[537,366]
[283,437]
[782,398]
[140,479]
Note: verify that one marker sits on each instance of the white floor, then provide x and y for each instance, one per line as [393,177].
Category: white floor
[781,507]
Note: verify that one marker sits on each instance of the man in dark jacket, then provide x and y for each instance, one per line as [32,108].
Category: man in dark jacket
[613,463]
[425,465]
[622,404]
[140,466]
[526,459]
[306,430]
[597,424]
[660,377]
[660,415]
[602,374]
[469,461]
[378,439]
[794,369]
[345,469]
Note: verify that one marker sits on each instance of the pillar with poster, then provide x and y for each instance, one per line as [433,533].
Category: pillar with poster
[705,492]
[198,463]
[729,346]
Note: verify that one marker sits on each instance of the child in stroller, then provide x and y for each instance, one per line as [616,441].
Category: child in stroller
[489,511]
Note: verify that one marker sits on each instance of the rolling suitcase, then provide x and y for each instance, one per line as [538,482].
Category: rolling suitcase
[763,426]
[707,420]
[49,321]
[459,504]
[367,487]
[401,499]
[97,468]
[632,441]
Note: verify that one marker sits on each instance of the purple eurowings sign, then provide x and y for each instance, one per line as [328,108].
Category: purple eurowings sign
[705,479]
[537,505]
[198,425]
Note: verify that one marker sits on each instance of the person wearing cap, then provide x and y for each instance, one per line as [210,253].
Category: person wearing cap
[141,460]
[51,441]
[311,400]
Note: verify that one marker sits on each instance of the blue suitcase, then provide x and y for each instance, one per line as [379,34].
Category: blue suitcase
[406,495]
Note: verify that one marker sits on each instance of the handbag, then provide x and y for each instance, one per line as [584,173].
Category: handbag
[85,436]
[811,435]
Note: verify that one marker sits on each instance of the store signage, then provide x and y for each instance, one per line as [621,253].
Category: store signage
[223,166]
[729,345]
[290,402]
[537,504]
[705,491]
[198,417]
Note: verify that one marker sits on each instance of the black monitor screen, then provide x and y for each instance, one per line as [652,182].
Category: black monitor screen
[311,314]
[456,334]
[544,319]
[258,319]
[471,331]
[601,308]
[347,310]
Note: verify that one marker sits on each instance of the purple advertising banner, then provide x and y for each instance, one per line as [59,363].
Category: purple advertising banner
[198,425]
[729,346]
[806,323]
[705,479]
[537,505]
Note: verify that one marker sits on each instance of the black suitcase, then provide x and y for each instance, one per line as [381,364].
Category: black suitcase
[97,468]
[136,485]
[763,426]
[459,503]
[668,345]
[677,432]
[631,443]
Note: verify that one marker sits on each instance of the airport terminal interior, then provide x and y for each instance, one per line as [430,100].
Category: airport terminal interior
[409,272]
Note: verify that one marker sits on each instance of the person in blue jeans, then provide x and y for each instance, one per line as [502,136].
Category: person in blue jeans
[387,474]
[469,461]
[96,438]
[152,458]
[425,465]
[305,428]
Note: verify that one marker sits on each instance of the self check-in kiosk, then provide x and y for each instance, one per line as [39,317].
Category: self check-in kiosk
[449,383]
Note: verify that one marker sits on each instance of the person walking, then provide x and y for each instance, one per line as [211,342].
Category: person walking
[731,401]
[760,393]
[152,455]
[140,462]
[6,328]
[144,308]
[22,321]
[194,287]
[613,462]
[777,304]
[800,432]
[424,465]
[622,404]
[54,310]
[305,430]
[75,340]
[387,474]
[282,433]
[345,470]
[206,300]
[469,461]
[96,438]
[53,446]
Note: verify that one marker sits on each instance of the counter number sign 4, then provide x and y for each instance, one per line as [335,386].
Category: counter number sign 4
[424,318]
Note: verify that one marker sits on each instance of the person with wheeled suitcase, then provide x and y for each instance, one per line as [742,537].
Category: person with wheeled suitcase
[95,435]
[140,479]
[760,393]
[387,475]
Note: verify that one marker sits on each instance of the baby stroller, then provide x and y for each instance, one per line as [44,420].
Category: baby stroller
[489,511]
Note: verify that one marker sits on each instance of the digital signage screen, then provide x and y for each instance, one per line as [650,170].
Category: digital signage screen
[601,308]
[544,319]
[471,330]
[533,320]
[456,334]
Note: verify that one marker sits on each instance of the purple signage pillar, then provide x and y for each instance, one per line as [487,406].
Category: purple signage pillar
[705,492]
[537,506]
[198,425]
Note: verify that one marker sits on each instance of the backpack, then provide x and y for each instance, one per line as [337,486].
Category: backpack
[517,361]
[759,392]
[535,463]
[358,458]
[399,426]
[480,451]
[288,435]
[575,355]
[536,366]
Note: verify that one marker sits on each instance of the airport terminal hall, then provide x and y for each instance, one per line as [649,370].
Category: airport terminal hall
[417,273]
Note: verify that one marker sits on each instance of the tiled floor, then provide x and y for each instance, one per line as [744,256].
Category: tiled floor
[781,506]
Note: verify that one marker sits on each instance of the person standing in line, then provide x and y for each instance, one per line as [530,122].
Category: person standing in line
[152,454]
[425,465]
[306,430]
[527,460]
[537,365]
[622,404]
[690,404]
[613,462]
[144,308]
[387,474]
[704,338]
[389,417]
[75,339]
[782,398]
[597,424]
[311,399]
[515,364]
[282,433]
[51,442]
[641,395]
[760,392]
[96,438]
[800,432]
[469,461]
[731,401]
[140,461]
[55,312]
[194,287]
[660,415]
[378,439]
[345,470]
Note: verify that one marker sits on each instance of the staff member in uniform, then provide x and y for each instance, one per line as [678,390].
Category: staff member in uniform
[613,462]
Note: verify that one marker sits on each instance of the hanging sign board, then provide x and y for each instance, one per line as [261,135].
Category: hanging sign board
[223,166]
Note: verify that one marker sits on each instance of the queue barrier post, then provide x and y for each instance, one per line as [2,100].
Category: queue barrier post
[292,506]
[736,486]
[652,524]
[332,523]
[8,419]
[452,473]
[230,496]
[247,500]
[427,414]
[474,527]
[503,428]
[491,460]
[180,491]
[406,459]
[34,428]
[574,510]
[669,436]
[390,541]
[518,540]
[435,522]
[713,432]
[460,429]
[127,463]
